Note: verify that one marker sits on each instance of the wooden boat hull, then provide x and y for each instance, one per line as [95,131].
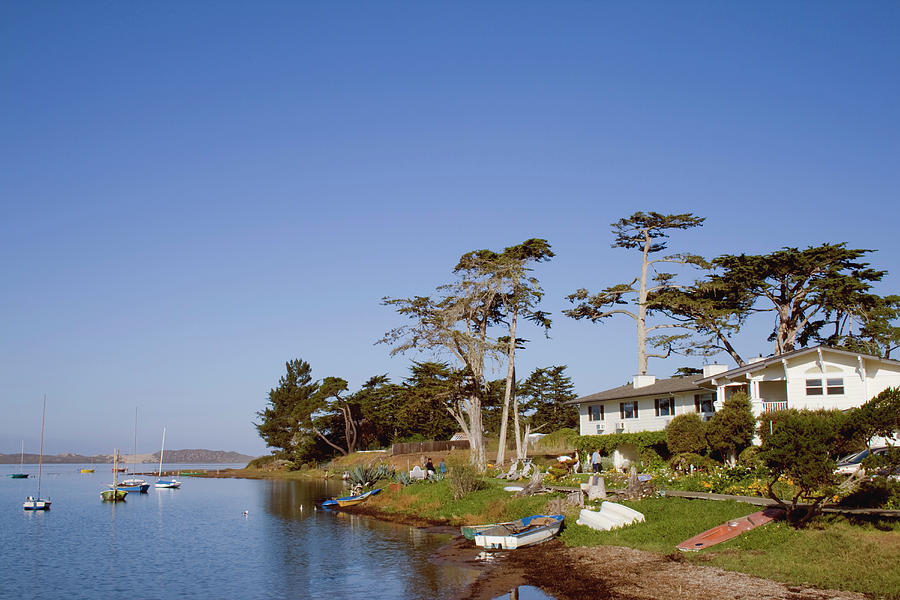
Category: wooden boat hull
[527,532]
[731,529]
[470,531]
[113,495]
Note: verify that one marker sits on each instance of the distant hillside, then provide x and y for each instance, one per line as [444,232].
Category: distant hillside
[172,456]
[202,456]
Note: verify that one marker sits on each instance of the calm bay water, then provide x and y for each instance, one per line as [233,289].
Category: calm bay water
[195,542]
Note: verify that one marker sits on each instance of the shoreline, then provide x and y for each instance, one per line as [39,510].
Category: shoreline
[580,572]
[600,572]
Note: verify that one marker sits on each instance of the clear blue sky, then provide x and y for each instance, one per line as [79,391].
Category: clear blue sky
[194,193]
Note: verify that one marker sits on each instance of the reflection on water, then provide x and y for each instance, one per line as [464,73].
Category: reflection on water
[197,542]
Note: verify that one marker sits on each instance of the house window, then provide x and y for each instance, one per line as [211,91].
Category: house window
[628,410]
[814,387]
[705,403]
[665,407]
[834,386]
[595,412]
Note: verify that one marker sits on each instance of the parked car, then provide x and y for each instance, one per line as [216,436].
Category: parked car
[850,464]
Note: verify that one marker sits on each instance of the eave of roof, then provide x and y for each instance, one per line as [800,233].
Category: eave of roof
[661,387]
[762,364]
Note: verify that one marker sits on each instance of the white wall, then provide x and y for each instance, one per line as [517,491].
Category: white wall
[646,421]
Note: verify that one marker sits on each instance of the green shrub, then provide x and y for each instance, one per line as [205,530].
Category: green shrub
[561,439]
[731,429]
[686,433]
[366,475]
[750,458]
[464,480]
[798,451]
[879,492]
[683,462]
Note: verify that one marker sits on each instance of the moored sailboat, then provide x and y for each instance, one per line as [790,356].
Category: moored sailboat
[21,474]
[165,483]
[114,494]
[32,503]
[134,484]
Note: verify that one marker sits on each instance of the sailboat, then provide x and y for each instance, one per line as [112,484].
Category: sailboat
[20,475]
[134,484]
[114,494]
[91,470]
[165,483]
[32,503]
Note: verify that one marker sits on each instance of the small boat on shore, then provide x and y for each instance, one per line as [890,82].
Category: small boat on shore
[470,531]
[350,500]
[729,530]
[517,534]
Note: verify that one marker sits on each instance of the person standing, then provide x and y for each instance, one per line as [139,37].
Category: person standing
[429,467]
[595,461]
[442,467]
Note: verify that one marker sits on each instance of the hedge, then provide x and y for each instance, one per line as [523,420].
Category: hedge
[650,444]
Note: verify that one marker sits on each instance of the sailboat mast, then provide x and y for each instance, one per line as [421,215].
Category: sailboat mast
[134,448]
[41,459]
[161,450]
[22,456]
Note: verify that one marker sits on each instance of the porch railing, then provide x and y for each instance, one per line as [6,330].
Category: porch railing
[773,406]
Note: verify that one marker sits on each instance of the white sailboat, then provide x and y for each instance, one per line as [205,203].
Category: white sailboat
[32,503]
[21,474]
[134,484]
[165,483]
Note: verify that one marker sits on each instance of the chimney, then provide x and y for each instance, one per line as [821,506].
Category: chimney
[644,380]
[714,369]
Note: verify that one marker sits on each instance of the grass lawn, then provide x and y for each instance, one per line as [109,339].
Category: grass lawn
[435,501]
[834,552]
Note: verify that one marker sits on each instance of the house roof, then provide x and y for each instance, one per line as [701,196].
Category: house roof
[777,358]
[662,387]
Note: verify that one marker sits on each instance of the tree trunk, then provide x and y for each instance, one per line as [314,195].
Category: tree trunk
[641,320]
[507,395]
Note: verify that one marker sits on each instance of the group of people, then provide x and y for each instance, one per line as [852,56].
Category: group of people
[429,466]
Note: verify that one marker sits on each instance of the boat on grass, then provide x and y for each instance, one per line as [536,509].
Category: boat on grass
[350,500]
[165,483]
[21,474]
[32,503]
[610,516]
[729,530]
[517,534]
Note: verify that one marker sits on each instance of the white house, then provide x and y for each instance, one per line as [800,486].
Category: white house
[818,377]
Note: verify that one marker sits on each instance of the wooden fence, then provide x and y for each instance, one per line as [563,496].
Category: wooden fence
[426,447]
